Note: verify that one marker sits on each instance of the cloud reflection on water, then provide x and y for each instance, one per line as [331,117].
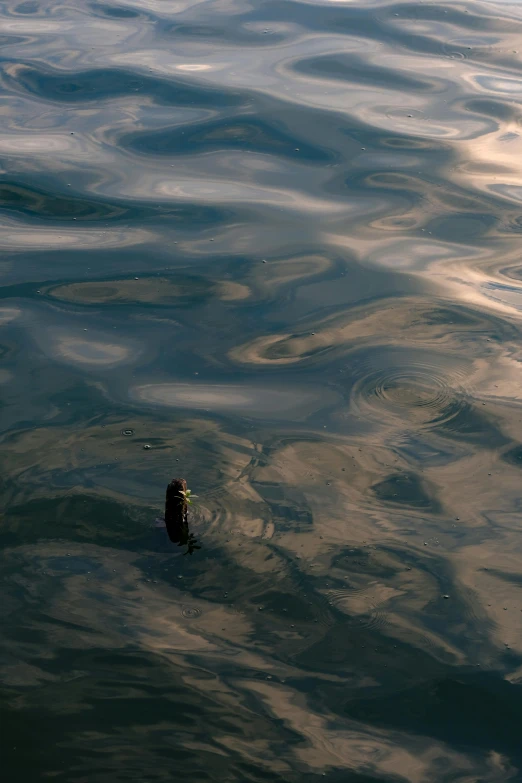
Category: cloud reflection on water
[279,247]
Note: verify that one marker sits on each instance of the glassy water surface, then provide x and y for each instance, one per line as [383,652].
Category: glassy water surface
[273,247]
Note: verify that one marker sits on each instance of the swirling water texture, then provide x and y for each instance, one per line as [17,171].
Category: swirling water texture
[278,245]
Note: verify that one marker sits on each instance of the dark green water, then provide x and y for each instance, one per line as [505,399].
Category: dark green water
[279,245]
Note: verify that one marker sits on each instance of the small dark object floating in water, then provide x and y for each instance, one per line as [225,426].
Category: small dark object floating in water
[176,509]
[176,515]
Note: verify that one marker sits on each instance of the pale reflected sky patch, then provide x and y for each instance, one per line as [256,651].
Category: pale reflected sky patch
[31,26]
[36,143]
[39,238]
[8,314]
[194,67]
[248,400]
[86,350]
[222,190]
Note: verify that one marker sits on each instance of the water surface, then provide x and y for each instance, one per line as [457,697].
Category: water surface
[277,244]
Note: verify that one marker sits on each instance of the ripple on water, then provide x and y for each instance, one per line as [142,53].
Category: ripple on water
[417,394]
[466,46]
[404,112]
[365,606]
[190,612]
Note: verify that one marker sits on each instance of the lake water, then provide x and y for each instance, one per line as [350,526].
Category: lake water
[273,248]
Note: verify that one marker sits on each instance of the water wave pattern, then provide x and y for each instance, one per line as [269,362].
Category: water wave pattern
[272,247]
